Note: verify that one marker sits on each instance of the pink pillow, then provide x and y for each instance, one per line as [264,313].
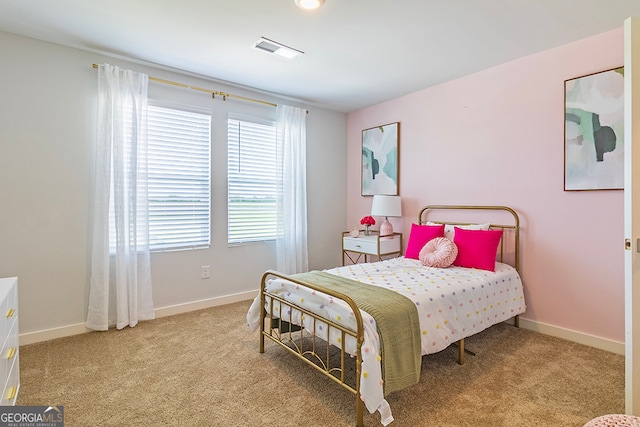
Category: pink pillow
[439,252]
[477,248]
[420,235]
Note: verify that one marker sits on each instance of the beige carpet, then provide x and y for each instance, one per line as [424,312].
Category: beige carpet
[204,369]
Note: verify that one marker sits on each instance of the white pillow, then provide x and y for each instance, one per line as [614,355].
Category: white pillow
[449,231]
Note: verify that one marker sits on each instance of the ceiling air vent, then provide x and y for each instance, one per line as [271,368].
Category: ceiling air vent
[267,45]
[276,48]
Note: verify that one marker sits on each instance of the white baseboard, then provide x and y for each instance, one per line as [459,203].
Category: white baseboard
[80,328]
[206,303]
[50,334]
[575,336]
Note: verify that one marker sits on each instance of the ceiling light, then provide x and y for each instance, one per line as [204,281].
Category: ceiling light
[276,48]
[309,4]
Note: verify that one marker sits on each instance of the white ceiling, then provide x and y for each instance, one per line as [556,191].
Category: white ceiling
[357,53]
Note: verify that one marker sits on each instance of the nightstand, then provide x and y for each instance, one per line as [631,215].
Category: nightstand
[354,248]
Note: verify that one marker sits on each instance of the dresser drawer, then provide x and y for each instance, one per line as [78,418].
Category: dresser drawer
[12,386]
[9,353]
[8,312]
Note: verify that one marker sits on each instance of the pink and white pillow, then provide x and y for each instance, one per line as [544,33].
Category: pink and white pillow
[439,252]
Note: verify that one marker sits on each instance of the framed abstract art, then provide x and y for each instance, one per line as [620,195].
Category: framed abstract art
[380,160]
[594,131]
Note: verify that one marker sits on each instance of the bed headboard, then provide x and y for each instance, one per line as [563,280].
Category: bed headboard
[499,217]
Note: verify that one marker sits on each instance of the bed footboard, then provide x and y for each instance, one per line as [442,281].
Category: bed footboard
[301,340]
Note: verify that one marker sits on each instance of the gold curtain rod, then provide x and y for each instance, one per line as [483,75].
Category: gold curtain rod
[213,93]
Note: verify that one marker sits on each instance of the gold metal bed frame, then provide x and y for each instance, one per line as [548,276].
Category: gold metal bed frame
[305,345]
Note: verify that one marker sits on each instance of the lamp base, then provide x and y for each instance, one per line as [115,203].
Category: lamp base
[386,229]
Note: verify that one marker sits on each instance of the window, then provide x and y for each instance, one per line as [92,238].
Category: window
[179,179]
[251,170]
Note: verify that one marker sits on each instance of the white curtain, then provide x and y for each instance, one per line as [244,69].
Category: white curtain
[291,244]
[120,291]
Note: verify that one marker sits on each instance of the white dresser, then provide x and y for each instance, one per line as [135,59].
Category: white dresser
[9,352]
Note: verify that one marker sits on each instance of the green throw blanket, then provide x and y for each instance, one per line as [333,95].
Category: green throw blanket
[397,321]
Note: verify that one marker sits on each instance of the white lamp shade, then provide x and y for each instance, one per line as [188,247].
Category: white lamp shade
[386,206]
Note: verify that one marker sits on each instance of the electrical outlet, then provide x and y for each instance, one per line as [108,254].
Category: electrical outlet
[206,272]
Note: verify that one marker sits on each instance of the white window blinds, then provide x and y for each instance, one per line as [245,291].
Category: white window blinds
[251,171]
[179,179]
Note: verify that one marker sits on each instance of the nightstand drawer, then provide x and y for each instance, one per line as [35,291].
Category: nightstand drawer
[363,244]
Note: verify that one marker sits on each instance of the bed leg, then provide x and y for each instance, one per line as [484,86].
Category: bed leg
[517,321]
[461,352]
[262,318]
[359,411]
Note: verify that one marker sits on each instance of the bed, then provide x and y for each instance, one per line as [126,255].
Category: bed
[381,317]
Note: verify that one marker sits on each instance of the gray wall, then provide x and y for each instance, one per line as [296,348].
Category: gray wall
[47,128]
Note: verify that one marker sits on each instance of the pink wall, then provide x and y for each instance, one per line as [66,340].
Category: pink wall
[497,137]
